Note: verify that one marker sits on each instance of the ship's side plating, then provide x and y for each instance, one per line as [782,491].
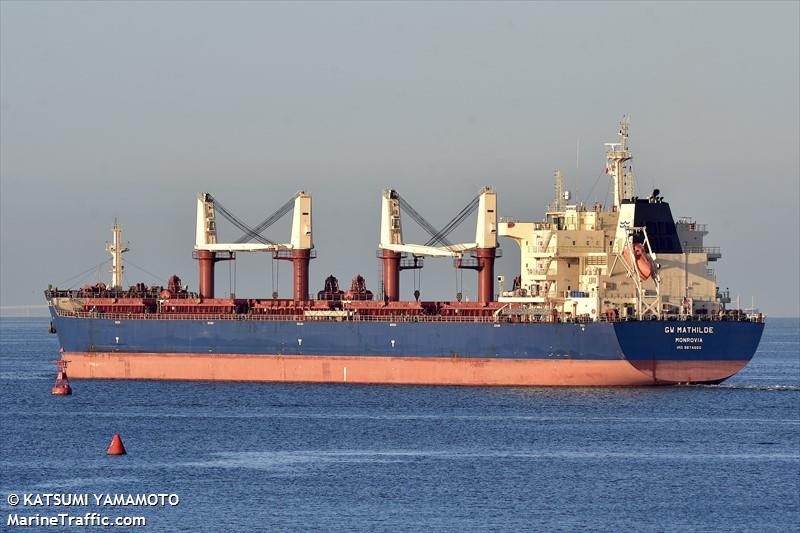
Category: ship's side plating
[468,353]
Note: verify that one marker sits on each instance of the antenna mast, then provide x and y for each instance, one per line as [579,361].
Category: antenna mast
[559,202]
[559,191]
[616,156]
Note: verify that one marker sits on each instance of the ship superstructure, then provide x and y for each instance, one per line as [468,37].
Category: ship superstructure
[606,295]
[578,261]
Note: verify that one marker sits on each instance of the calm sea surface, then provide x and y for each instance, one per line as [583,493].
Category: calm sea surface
[278,457]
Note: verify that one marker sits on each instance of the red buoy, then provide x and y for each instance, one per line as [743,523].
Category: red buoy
[116,447]
[61,387]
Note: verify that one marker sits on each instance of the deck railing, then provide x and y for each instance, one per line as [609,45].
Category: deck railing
[500,319]
[710,250]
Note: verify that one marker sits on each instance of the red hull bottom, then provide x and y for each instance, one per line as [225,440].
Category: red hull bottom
[671,372]
[388,370]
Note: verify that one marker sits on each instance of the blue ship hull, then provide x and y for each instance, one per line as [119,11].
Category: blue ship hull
[597,353]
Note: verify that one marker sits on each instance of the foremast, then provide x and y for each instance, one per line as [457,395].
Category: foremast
[116,249]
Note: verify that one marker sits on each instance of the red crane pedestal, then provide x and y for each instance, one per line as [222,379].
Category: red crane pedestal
[483,262]
[206,261]
[300,259]
[391,275]
[485,258]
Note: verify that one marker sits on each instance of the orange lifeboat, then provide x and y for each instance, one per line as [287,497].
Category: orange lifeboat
[643,263]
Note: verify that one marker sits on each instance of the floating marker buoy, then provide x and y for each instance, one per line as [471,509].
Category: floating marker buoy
[61,390]
[61,387]
[116,447]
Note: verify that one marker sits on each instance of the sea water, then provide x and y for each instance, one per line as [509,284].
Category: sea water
[296,457]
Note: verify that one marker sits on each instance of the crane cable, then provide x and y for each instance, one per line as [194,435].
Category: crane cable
[419,219]
[269,221]
[439,236]
[250,232]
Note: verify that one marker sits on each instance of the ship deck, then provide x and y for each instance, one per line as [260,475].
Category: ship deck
[395,318]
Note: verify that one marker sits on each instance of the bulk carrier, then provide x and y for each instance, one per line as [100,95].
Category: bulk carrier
[606,296]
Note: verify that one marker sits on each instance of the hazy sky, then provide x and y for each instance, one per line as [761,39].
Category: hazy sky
[128,110]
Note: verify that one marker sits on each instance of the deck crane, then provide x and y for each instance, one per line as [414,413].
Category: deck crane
[392,247]
[299,250]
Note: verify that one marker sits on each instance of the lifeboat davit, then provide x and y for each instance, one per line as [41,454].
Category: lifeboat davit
[641,260]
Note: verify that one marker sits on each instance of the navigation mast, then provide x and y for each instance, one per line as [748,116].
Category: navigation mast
[561,194]
[616,156]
